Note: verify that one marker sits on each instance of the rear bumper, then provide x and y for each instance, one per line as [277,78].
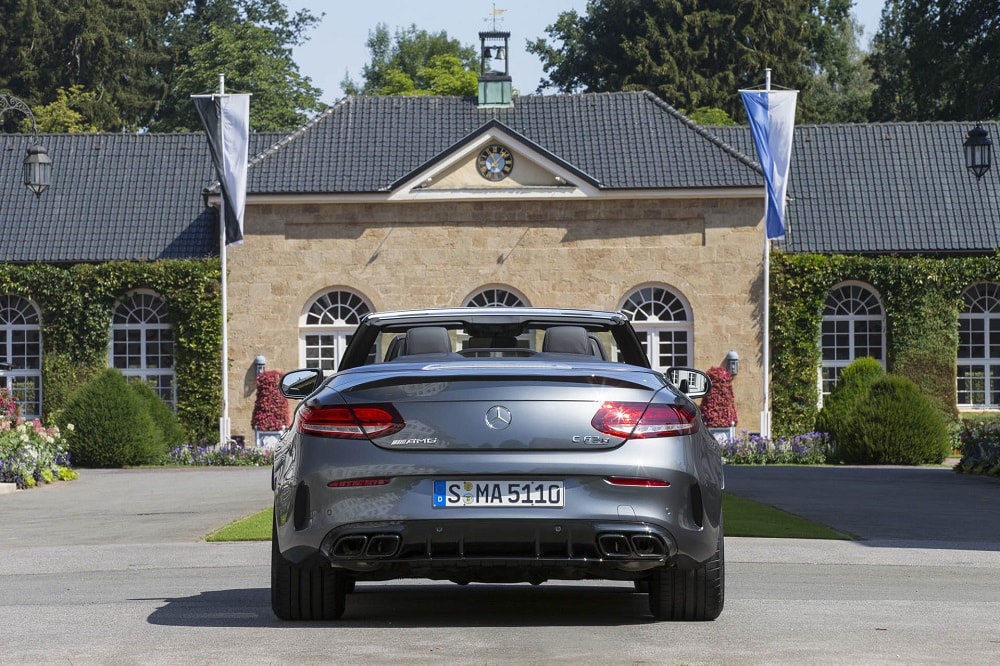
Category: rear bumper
[499,551]
[502,551]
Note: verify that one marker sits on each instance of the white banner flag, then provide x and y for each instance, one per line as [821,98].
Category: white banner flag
[772,121]
[226,119]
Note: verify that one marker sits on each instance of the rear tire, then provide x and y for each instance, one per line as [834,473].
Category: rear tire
[305,591]
[690,594]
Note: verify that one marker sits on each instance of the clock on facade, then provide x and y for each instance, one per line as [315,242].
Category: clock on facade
[494,162]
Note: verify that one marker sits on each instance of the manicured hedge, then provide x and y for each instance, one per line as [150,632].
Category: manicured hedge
[76,303]
[922,297]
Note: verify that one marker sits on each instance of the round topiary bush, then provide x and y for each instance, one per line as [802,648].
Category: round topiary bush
[718,407]
[851,390]
[896,424]
[111,425]
[163,416]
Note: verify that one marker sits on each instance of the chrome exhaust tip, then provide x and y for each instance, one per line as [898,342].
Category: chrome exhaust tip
[383,545]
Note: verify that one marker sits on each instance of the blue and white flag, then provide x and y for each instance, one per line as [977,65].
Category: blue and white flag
[226,119]
[772,120]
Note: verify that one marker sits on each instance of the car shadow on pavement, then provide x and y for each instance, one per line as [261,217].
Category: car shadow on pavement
[428,604]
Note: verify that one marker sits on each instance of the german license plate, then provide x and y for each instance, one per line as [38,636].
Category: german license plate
[541,494]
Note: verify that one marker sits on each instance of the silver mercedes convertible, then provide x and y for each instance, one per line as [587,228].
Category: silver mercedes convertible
[497,445]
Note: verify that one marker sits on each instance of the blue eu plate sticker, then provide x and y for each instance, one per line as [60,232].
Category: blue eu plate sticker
[439,490]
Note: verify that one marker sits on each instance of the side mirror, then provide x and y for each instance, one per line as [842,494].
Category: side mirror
[693,383]
[298,384]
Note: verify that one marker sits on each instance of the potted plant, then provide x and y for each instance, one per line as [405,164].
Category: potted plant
[718,407]
[270,410]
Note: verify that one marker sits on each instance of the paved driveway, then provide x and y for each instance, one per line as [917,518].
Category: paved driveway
[932,507]
[133,506]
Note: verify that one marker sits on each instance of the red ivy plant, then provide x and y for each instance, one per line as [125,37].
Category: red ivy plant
[718,407]
[270,409]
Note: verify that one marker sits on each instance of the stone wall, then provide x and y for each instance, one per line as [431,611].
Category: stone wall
[568,253]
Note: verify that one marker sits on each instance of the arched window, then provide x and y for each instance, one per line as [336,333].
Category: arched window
[979,347]
[853,326]
[142,343]
[21,348]
[664,324]
[327,326]
[495,297]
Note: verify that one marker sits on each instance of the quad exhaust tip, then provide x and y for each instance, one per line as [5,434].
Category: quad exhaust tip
[366,546]
[614,545]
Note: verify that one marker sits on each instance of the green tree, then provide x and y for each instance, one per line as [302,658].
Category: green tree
[914,82]
[133,64]
[698,54]
[415,61]
[250,41]
[253,62]
[112,48]
[70,112]
[841,88]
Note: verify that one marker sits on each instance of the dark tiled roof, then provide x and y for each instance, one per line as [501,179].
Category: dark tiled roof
[885,188]
[113,197]
[620,140]
[880,188]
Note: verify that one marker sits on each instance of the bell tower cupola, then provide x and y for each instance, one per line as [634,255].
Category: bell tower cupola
[494,70]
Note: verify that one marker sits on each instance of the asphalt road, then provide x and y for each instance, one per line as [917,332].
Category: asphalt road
[110,569]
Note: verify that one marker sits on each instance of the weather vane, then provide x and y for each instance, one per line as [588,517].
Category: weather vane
[496,15]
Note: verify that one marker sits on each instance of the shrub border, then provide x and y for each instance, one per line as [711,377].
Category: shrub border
[922,297]
[76,301]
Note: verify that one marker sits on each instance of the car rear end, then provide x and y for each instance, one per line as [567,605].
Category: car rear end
[500,470]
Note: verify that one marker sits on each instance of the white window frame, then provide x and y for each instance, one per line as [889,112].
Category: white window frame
[496,296]
[851,308]
[663,320]
[21,323]
[979,318]
[326,325]
[142,316]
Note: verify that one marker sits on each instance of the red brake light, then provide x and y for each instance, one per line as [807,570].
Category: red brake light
[636,420]
[637,482]
[358,483]
[350,422]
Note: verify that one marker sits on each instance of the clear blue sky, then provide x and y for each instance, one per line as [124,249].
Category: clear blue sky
[337,45]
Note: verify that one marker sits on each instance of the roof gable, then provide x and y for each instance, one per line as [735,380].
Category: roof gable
[630,140]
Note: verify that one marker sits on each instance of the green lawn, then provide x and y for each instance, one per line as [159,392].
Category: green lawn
[747,518]
[744,518]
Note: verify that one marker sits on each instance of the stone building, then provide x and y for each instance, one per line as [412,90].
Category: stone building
[609,201]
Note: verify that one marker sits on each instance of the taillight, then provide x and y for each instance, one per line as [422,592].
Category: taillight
[637,482]
[350,421]
[358,483]
[636,420]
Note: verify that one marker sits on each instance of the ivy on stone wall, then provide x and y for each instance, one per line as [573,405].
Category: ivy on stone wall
[76,303]
[922,297]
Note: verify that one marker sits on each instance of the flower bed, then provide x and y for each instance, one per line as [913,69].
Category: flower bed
[31,453]
[979,444]
[809,449]
[221,456]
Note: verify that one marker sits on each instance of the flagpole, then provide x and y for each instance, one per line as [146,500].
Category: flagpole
[765,414]
[224,425]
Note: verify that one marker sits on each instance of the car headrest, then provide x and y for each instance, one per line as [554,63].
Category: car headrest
[427,340]
[566,340]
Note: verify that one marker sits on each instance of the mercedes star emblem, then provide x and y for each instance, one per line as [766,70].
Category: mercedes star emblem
[498,417]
